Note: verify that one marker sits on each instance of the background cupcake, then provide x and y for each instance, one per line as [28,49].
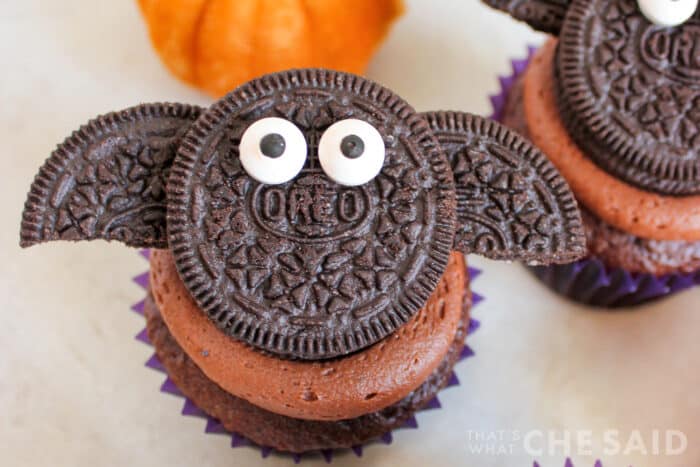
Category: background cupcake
[615,110]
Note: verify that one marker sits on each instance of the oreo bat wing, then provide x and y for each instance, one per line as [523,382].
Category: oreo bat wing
[542,15]
[108,179]
[512,203]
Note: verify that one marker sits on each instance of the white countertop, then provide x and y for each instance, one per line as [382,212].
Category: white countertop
[73,388]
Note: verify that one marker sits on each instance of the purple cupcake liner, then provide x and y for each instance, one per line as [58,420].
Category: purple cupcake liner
[569,463]
[518,67]
[592,282]
[589,280]
[213,426]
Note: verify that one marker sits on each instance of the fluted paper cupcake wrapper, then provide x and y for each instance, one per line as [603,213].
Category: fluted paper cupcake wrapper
[589,280]
[592,282]
[214,427]
[569,463]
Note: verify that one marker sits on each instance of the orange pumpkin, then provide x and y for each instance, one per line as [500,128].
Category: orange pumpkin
[219,44]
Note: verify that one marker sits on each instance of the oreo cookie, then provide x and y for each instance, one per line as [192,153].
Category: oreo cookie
[310,268]
[543,15]
[511,201]
[107,180]
[629,93]
[629,85]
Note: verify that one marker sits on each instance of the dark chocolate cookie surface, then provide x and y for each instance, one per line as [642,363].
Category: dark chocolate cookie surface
[308,268]
[543,15]
[107,180]
[630,93]
[511,201]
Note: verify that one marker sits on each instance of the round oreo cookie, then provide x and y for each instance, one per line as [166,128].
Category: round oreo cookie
[310,268]
[629,93]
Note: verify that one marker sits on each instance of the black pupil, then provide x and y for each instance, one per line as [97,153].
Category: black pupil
[272,145]
[352,146]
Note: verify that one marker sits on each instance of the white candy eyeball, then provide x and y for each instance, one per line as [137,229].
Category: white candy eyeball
[272,150]
[668,12]
[351,152]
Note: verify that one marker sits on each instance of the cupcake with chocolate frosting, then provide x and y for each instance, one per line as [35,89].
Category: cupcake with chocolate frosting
[308,285]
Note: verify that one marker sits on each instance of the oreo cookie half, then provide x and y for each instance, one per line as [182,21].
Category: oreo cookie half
[512,204]
[543,15]
[309,268]
[630,93]
[107,180]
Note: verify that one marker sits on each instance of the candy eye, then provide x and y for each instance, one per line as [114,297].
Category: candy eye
[351,152]
[668,12]
[272,150]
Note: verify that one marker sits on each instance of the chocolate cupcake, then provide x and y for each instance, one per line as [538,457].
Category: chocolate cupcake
[310,290]
[613,102]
